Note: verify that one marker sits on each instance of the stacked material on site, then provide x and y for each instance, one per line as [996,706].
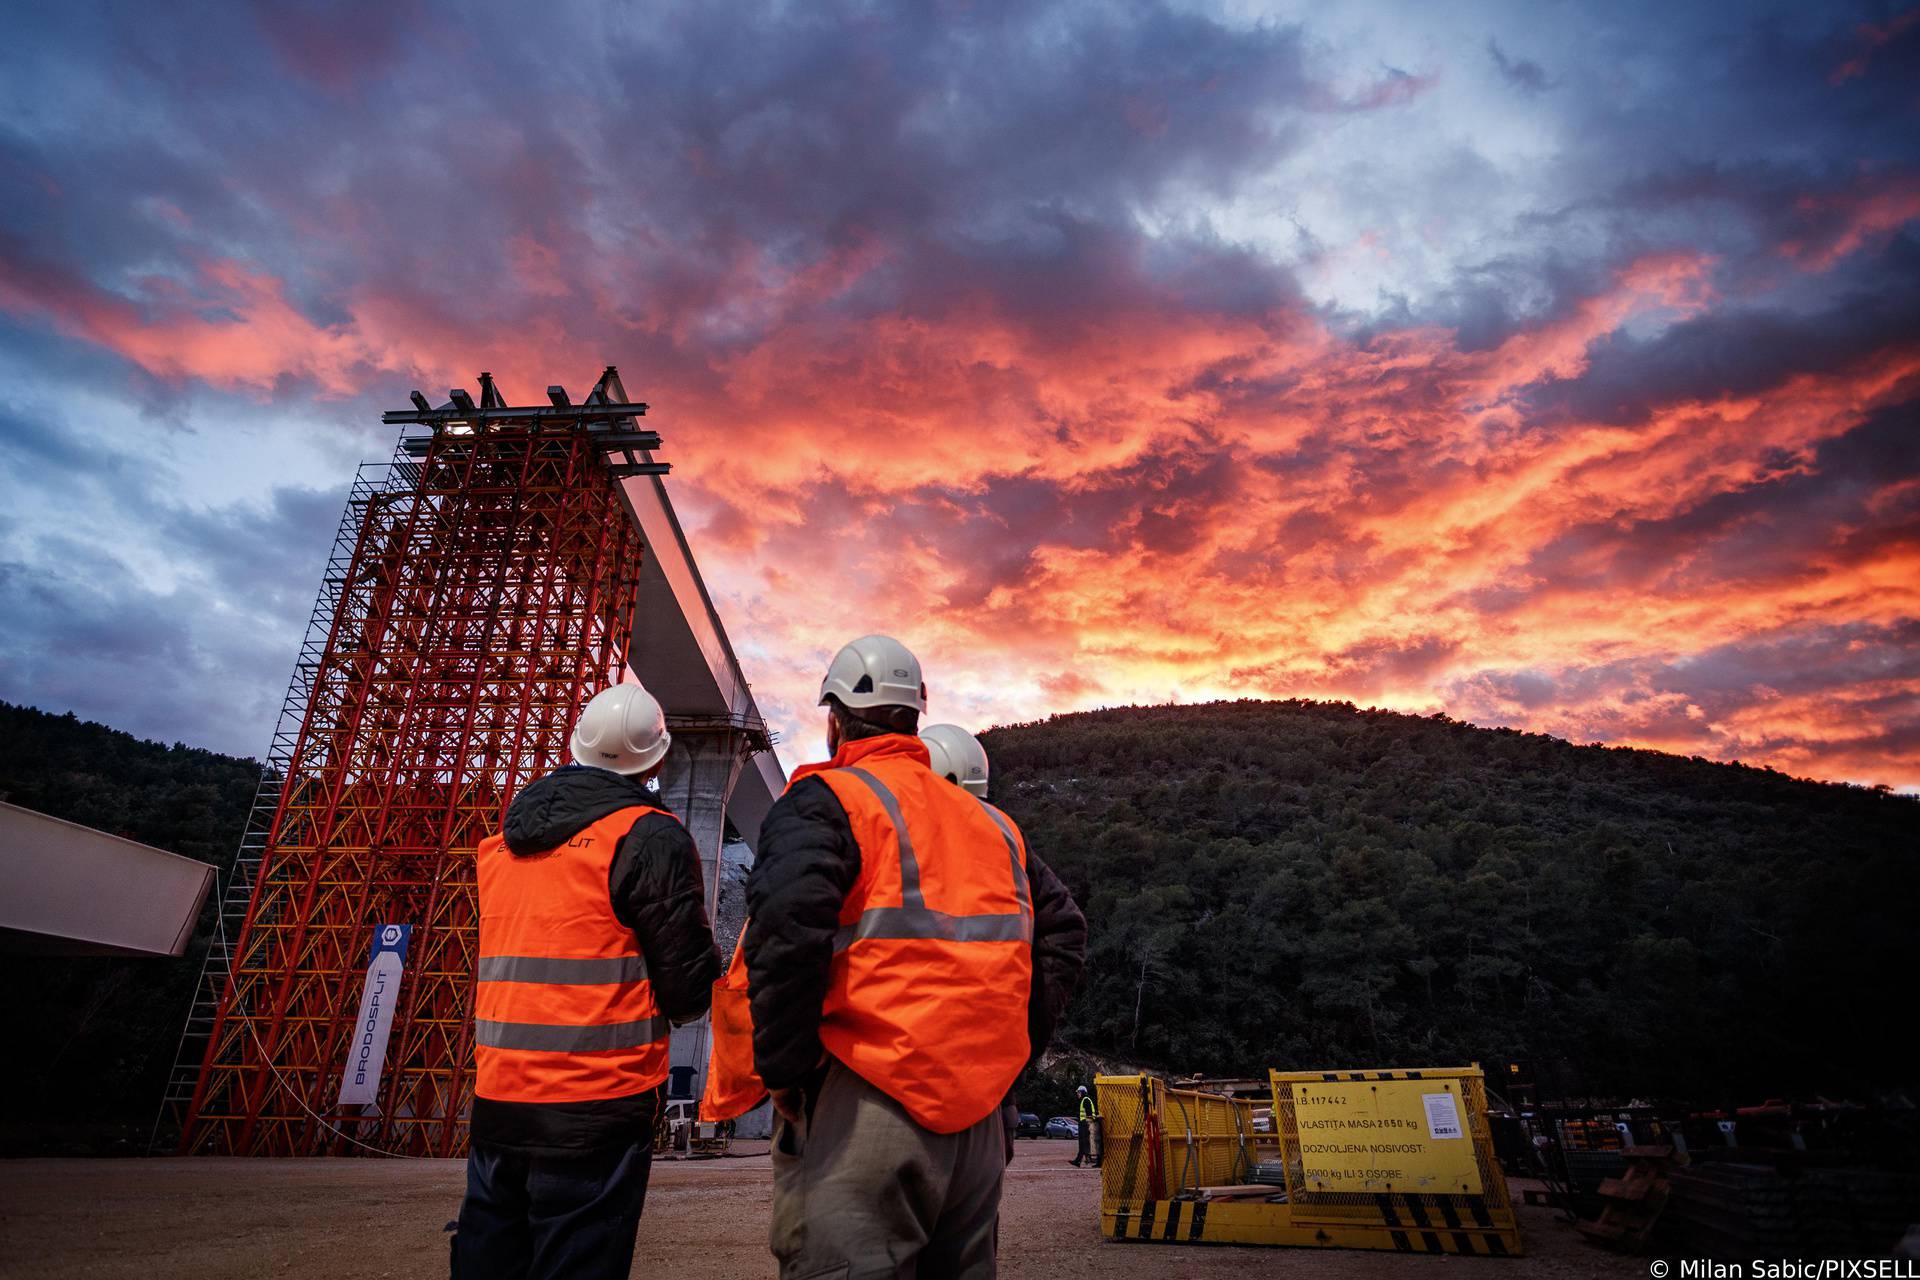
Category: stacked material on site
[1272,1173]
[1753,1208]
[1238,1191]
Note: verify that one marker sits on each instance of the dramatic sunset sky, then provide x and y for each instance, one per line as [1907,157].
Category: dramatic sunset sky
[1549,365]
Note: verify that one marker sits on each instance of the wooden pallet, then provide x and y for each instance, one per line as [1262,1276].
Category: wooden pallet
[1632,1202]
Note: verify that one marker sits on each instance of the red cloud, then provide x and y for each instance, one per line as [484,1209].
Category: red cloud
[1845,222]
[1132,488]
[1868,38]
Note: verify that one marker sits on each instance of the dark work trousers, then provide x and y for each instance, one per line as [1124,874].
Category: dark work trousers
[1085,1154]
[862,1192]
[542,1217]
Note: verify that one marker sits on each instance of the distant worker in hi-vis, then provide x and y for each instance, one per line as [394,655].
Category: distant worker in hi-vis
[1089,1120]
[905,957]
[594,940]
[957,756]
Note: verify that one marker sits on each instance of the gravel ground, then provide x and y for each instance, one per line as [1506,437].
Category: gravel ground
[705,1220]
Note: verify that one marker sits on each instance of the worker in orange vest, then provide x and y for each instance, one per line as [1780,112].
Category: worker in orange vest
[594,940]
[733,1087]
[957,756]
[906,957]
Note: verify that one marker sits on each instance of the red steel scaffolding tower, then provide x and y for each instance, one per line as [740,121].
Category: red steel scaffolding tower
[482,586]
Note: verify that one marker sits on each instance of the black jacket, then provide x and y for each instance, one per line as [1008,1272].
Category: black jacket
[803,870]
[655,890]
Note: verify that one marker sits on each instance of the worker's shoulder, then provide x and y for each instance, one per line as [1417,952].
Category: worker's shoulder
[995,812]
[657,826]
[809,797]
[1002,821]
[806,807]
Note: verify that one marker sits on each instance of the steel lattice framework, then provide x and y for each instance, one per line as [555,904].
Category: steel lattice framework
[482,586]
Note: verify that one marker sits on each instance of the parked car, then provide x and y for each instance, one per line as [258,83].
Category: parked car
[1063,1127]
[1029,1126]
[680,1128]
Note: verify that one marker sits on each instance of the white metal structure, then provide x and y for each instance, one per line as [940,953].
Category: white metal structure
[66,889]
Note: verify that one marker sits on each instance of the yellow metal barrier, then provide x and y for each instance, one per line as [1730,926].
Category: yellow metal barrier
[1398,1160]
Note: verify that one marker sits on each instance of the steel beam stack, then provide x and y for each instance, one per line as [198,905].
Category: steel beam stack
[481,589]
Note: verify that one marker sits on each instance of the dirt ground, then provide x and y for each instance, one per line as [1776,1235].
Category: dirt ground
[705,1220]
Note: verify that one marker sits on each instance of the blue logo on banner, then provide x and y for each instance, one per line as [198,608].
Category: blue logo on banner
[391,937]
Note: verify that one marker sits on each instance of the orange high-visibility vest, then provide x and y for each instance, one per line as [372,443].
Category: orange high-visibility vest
[563,1011]
[733,1087]
[933,964]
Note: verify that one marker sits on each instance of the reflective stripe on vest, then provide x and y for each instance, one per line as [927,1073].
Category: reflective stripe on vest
[933,962]
[563,1010]
[564,1038]
[914,919]
[553,969]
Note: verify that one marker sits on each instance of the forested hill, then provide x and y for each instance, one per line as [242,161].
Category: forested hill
[179,798]
[1269,884]
[1306,885]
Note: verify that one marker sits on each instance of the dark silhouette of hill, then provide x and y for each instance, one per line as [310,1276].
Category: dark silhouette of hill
[1307,885]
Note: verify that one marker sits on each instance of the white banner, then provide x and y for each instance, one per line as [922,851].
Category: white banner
[367,1053]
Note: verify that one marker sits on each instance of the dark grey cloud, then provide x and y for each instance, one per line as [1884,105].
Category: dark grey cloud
[203,658]
[258,555]
[1803,660]
[1679,129]
[1702,697]
[1745,347]
[1813,515]
[87,636]
[1523,74]
[654,161]
[35,444]
[992,535]
[663,181]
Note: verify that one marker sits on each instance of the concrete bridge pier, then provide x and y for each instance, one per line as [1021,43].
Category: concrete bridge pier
[722,768]
[696,782]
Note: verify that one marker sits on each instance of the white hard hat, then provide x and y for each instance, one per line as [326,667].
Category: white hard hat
[875,671]
[622,729]
[957,756]
[1082,1089]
